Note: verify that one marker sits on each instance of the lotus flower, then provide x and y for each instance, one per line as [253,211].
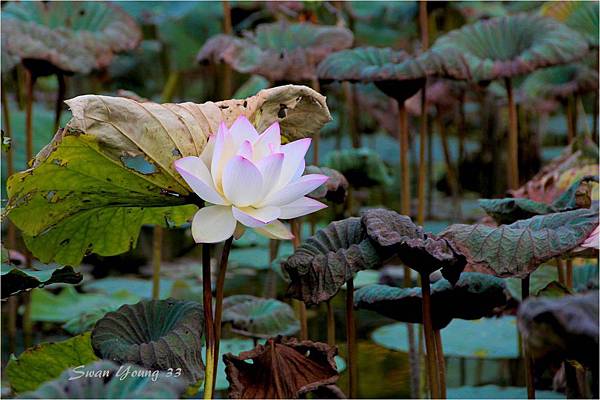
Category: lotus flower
[251,180]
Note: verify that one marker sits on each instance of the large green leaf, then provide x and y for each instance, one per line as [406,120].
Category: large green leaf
[560,82]
[156,334]
[474,296]
[519,248]
[362,167]
[110,170]
[581,16]
[279,51]
[395,72]
[47,361]
[504,47]
[107,380]
[69,304]
[70,37]
[560,329]
[324,262]
[259,317]
[487,338]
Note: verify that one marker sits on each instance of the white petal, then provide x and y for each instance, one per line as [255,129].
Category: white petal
[299,171]
[207,152]
[256,217]
[246,150]
[213,224]
[242,182]
[196,174]
[300,207]
[224,150]
[275,230]
[294,190]
[242,130]
[268,142]
[270,169]
[294,156]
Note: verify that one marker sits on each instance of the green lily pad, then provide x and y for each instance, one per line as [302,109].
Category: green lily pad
[69,304]
[517,249]
[142,288]
[498,392]
[103,167]
[156,334]
[16,279]
[67,37]
[489,338]
[47,361]
[107,380]
[474,296]
[258,317]
[362,167]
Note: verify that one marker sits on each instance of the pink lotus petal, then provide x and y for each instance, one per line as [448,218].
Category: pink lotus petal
[246,150]
[592,240]
[299,171]
[269,141]
[196,174]
[294,190]
[256,218]
[300,207]
[213,224]
[294,157]
[242,182]
[270,169]
[275,230]
[242,130]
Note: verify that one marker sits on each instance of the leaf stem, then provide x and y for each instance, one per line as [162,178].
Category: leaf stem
[209,328]
[424,24]
[30,82]
[60,97]
[441,362]
[404,167]
[351,341]
[450,170]
[529,377]
[330,324]
[513,139]
[301,308]
[219,302]
[157,235]
[429,338]
[569,275]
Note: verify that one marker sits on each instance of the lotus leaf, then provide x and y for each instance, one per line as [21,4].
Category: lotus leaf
[259,317]
[559,82]
[156,334]
[110,170]
[86,320]
[281,369]
[362,167]
[47,361]
[566,328]
[68,37]
[505,47]
[142,288]
[113,384]
[517,249]
[334,189]
[394,72]
[474,296]
[581,16]
[327,260]
[16,279]
[279,51]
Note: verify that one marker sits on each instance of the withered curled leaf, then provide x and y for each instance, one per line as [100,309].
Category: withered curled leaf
[280,369]
[334,189]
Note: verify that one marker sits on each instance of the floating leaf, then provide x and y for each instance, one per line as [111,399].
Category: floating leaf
[394,72]
[560,329]
[581,16]
[334,189]
[69,304]
[498,392]
[281,369]
[362,167]
[258,317]
[67,37]
[113,162]
[396,235]
[519,248]
[488,338]
[16,279]
[156,334]
[279,51]
[46,361]
[505,47]
[327,260]
[107,380]
[474,296]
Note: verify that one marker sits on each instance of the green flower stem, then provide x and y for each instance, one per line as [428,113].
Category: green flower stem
[351,341]
[219,302]
[432,373]
[209,327]
[157,236]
